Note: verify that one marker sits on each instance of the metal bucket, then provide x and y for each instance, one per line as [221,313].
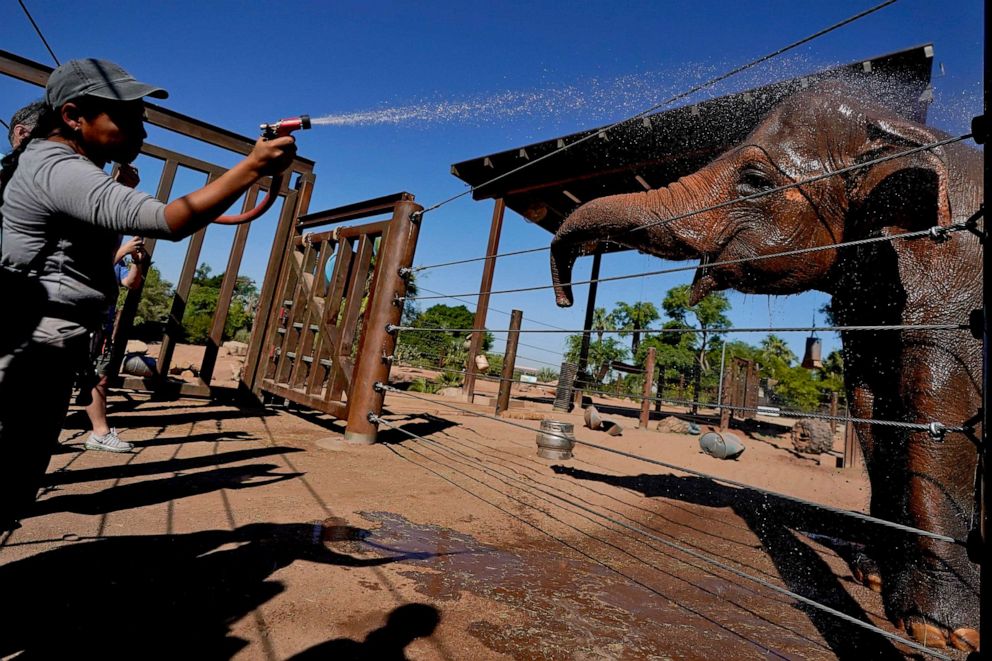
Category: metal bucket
[722,445]
[555,440]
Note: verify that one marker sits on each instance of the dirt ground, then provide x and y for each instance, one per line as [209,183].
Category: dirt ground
[257,533]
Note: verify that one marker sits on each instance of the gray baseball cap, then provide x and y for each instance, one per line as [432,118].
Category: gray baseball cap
[99,78]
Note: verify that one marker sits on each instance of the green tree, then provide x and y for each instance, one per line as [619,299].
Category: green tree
[710,318]
[601,354]
[444,348]
[832,374]
[631,318]
[154,306]
[774,346]
[201,305]
[602,321]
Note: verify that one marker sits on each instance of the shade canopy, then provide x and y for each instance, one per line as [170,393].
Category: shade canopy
[652,151]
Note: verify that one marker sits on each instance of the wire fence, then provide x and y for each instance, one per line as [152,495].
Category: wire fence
[937,232]
[682,548]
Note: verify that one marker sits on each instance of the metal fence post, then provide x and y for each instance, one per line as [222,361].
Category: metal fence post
[509,361]
[372,361]
[648,381]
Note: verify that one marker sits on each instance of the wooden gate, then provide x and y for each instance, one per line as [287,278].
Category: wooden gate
[740,390]
[325,341]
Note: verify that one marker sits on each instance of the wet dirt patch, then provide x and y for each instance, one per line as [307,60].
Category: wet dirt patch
[549,602]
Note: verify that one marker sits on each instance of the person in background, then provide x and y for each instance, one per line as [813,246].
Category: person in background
[103,436]
[62,219]
[22,123]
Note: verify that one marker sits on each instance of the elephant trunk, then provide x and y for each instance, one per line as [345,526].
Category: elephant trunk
[635,220]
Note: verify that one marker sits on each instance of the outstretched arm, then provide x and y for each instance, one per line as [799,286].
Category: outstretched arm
[191,212]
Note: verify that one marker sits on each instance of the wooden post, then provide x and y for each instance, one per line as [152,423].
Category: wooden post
[482,305]
[125,321]
[509,361]
[371,365]
[852,448]
[648,380]
[597,259]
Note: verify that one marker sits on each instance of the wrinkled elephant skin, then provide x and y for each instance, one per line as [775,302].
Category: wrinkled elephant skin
[929,587]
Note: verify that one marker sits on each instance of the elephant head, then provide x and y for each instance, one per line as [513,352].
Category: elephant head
[812,133]
[716,214]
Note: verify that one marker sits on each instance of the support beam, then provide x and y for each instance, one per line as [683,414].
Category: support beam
[482,306]
[509,362]
[372,364]
[597,259]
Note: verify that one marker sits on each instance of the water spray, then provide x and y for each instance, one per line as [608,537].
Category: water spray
[278,129]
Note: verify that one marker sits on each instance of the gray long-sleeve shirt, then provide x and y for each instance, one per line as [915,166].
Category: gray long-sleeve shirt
[62,220]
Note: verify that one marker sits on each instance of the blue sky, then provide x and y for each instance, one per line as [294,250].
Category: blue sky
[483,77]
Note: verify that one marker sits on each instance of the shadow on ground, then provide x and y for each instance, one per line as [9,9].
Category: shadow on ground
[404,625]
[801,568]
[173,596]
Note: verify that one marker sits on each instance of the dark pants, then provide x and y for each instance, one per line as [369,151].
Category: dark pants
[35,385]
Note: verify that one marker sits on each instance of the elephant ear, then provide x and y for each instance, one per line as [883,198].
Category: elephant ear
[913,186]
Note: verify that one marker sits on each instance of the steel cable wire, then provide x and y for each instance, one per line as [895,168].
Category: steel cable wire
[726,203]
[527,485]
[930,232]
[491,309]
[669,101]
[716,331]
[492,377]
[439,357]
[38,30]
[712,561]
[836,510]
[935,428]
[543,530]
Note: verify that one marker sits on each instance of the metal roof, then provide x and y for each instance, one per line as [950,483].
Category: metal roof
[657,149]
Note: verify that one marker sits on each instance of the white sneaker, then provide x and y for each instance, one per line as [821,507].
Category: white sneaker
[109,442]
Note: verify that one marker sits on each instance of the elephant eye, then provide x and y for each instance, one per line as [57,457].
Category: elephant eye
[753,181]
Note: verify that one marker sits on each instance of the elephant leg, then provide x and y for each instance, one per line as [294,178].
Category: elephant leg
[862,563]
[930,587]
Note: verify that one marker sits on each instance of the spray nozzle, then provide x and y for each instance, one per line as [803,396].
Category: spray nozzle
[285,127]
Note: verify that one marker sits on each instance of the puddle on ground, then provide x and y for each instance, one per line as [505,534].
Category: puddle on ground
[558,601]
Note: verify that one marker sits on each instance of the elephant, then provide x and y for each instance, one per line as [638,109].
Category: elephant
[924,480]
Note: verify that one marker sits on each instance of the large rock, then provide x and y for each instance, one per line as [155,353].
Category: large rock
[136,347]
[812,436]
[236,348]
[674,425]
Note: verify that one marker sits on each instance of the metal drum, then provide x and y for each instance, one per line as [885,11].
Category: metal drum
[722,445]
[555,440]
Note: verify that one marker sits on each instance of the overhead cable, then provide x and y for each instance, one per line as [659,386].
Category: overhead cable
[717,331]
[936,232]
[856,515]
[38,30]
[671,100]
[726,203]
[491,309]
[708,559]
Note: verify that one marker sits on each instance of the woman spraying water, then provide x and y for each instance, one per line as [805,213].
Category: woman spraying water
[62,219]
